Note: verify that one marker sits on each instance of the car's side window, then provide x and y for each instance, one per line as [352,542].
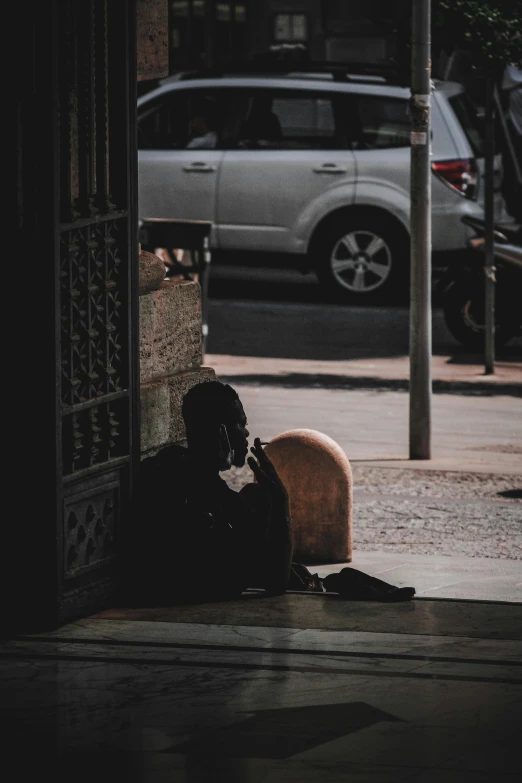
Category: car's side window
[236,103]
[472,123]
[286,120]
[185,119]
[162,123]
[382,122]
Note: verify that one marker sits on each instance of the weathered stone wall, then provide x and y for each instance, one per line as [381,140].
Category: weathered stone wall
[152,34]
[170,360]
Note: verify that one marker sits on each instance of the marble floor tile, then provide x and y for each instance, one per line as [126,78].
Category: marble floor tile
[421,662]
[173,635]
[157,633]
[462,776]
[157,690]
[434,696]
[298,665]
[342,773]
[330,612]
[459,647]
[157,767]
[415,644]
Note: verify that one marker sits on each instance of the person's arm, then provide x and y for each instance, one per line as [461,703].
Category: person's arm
[197,143]
[206,142]
[279,544]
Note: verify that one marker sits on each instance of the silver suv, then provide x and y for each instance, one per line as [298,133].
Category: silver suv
[311,166]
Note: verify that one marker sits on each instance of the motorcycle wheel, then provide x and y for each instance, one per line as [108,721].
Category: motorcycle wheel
[465,318]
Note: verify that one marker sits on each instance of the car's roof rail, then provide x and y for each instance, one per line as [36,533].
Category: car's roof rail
[345,71]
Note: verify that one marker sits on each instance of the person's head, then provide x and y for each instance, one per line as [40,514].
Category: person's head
[216,424]
[198,126]
[203,119]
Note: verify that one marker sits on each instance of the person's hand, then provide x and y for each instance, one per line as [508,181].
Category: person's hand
[267,476]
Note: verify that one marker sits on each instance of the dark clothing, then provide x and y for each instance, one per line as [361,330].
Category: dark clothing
[196,538]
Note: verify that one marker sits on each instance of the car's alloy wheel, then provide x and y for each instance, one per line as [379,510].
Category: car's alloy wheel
[361,261]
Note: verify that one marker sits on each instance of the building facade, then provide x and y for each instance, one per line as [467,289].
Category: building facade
[211,34]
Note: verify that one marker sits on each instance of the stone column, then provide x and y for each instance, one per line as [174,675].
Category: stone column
[170,353]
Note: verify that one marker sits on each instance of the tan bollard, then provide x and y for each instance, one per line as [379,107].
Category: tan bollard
[318,478]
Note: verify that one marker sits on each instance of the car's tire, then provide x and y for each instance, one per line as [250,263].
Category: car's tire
[363,259]
[464,316]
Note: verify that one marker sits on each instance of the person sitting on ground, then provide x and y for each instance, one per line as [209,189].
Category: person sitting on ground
[201,540]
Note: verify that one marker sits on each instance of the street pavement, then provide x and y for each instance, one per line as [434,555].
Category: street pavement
[452,525]
[345,370]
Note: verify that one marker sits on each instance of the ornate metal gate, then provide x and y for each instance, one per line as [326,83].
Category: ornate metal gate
[77,201]
[98,241]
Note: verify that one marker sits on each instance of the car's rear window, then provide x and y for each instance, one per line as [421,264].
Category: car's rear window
[377,122]
[472,123]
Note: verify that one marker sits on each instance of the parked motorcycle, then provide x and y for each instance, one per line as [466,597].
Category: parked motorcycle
[463,288]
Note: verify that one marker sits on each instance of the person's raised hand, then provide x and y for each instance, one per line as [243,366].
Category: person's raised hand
[262,467]
[266,474]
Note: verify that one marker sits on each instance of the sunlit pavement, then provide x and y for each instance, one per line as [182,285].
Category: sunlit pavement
[476,431]
[299,362]
[470,432]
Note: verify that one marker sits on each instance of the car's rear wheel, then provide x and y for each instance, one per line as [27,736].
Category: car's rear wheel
[362,259]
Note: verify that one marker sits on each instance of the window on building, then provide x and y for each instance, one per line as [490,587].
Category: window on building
[187,24]
[290,28]
[230,36]
[179,20]
[239,34]
[206,35]
[180,8]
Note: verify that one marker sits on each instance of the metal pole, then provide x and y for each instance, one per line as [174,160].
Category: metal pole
[420,221]
[489,261]
[204,269]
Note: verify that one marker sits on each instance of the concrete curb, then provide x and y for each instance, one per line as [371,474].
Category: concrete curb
[381,374]
[307,380]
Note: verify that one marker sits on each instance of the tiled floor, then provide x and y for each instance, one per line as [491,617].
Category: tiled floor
[433,694]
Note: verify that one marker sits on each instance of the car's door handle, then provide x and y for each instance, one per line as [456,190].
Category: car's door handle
[199,167]
[330,168]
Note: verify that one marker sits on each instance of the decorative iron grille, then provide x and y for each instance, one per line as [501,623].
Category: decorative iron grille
[94,239]
[91,310]
[90,530]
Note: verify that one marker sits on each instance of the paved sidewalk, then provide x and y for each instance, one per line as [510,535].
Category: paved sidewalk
[447,374]
[363,405]
[448,534]
[448,577]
